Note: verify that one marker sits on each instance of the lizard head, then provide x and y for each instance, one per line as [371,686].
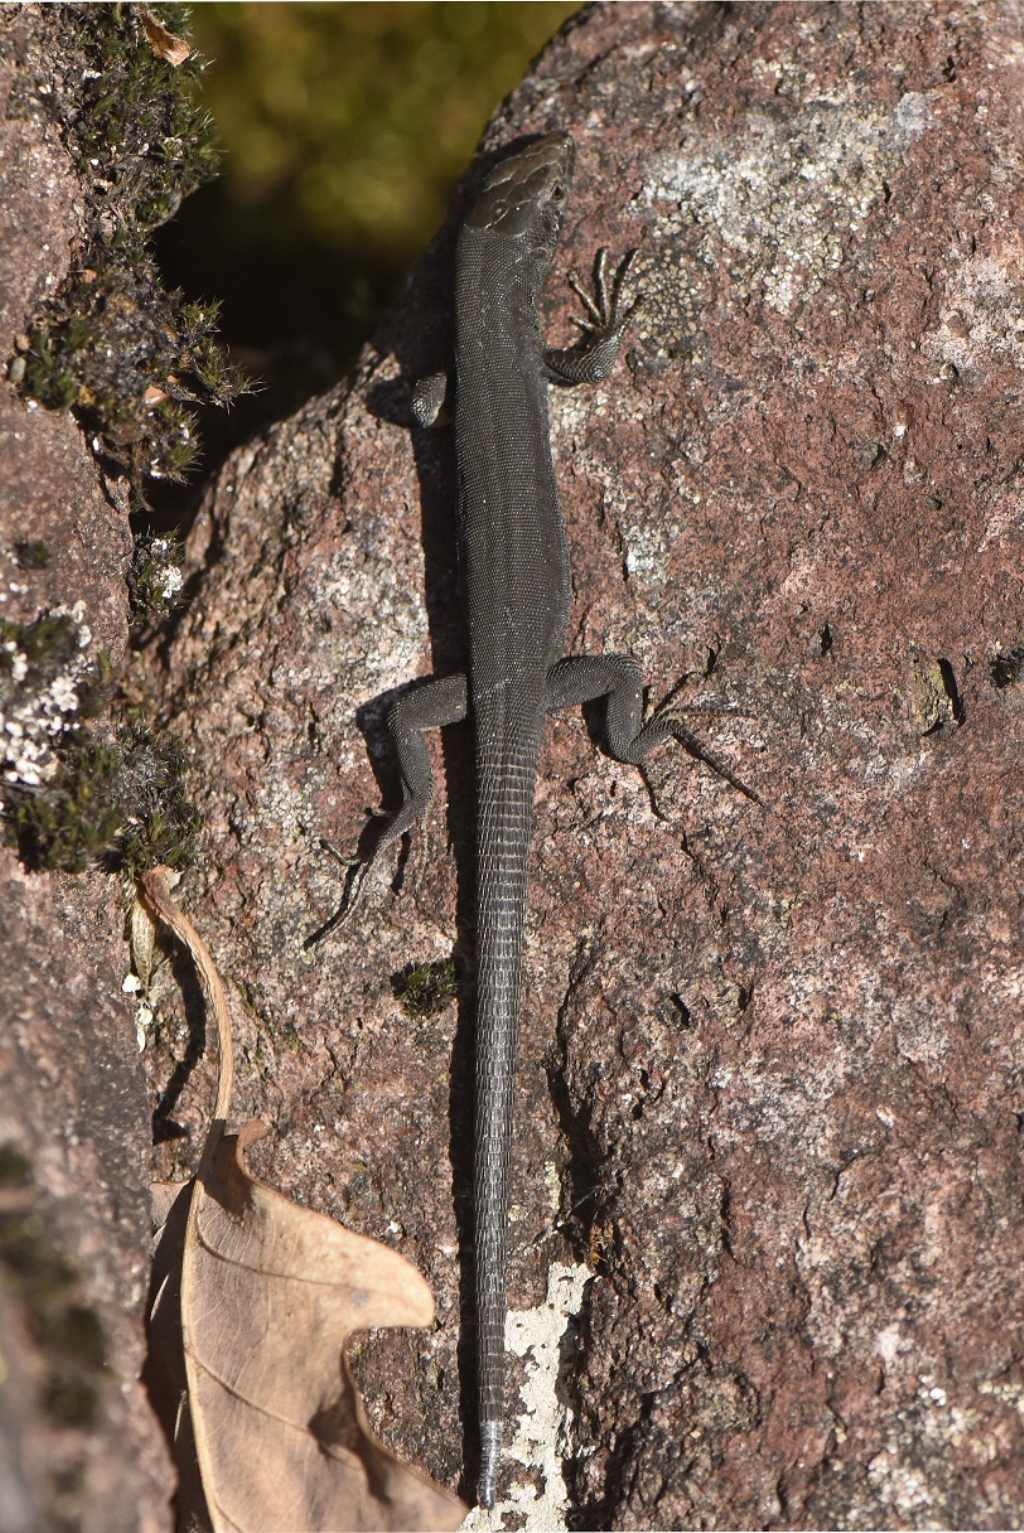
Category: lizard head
[525,194]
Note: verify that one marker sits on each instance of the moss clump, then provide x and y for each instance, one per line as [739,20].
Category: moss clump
[161,824]
[127,356]
[155,579]
[74,797]
[135,126]
[1008,669]
[119,805]
[34,653]
[48,376]
[74,819]
[42,669]
[48,685]
[32,554]
[424,990]
[131,360]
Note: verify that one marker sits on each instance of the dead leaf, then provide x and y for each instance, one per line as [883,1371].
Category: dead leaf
[270,1294]
[164,43]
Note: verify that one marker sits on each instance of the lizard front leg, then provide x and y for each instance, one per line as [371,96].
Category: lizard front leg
[593,356]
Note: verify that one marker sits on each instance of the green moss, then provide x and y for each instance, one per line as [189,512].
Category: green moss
[131,362]
[424,990]
[128,357]
[72,796]
[31,554]
[15,1170]
[162,825]
[139,126]
[154,579]
[48,376]
[1008,669]
[75,819]
[119,805]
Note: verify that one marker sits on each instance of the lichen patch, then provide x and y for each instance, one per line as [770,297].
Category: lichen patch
[784,202]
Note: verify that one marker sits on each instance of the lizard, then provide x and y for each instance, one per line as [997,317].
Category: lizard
[515,573]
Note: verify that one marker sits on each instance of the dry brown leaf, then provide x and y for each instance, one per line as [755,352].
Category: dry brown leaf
[164,43]
[270,1294]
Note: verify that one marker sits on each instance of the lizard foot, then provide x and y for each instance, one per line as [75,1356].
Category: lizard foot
[671,719]
[592,357]
[606,318]
[357,876]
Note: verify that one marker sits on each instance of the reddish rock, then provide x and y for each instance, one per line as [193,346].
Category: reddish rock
[79,1446]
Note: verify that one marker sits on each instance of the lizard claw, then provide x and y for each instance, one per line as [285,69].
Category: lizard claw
[605,314]
[605,320]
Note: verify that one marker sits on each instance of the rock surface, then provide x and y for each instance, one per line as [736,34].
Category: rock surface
[79,1446]
[771,1091]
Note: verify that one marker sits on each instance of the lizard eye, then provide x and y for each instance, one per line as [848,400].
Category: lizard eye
[557,192]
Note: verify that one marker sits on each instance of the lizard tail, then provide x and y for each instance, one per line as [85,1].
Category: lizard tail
[505,812]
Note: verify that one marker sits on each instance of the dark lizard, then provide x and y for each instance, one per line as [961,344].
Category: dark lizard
[516,577]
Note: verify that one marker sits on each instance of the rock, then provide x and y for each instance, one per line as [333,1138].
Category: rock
[78,1444]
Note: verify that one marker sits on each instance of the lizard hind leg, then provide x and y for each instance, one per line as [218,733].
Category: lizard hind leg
[438,702]
[617,678]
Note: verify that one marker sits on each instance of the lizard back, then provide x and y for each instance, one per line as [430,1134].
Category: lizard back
[515,566]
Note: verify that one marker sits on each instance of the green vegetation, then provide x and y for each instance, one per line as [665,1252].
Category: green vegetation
[76,796]
[1008,668]
[155,578]
[128,356]
[424,990]
[362,116]
[345,128]
[136,125]
[119,805]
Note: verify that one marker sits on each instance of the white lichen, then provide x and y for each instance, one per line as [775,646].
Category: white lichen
[34,715]
[166,578]
[781,203]
[541,1436]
